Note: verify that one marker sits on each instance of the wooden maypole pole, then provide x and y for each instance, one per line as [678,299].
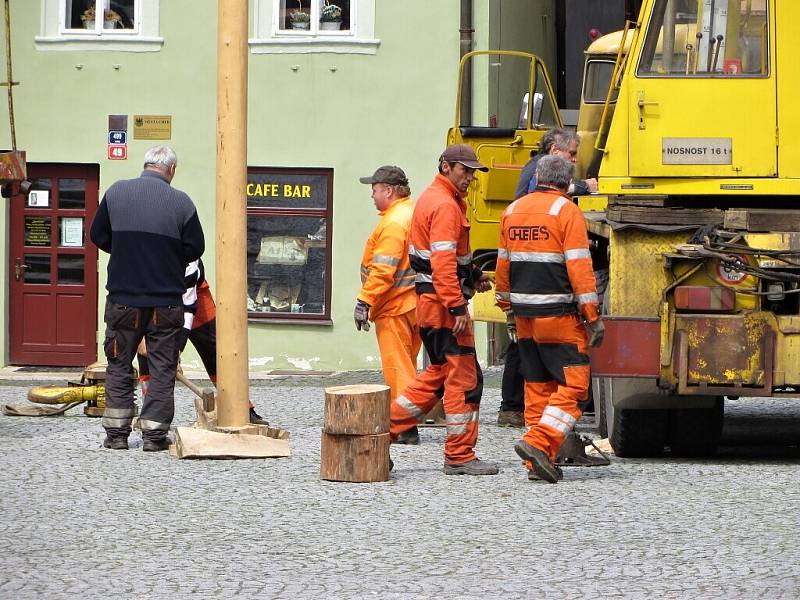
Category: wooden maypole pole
[231,290]
[226,432]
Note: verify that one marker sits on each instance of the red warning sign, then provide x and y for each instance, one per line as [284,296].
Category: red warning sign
[118,151]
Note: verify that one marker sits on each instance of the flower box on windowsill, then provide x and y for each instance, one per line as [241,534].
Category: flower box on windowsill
[330,25]
[301,25]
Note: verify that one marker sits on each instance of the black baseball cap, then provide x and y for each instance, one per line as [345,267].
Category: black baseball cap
[464,154]
[388,174]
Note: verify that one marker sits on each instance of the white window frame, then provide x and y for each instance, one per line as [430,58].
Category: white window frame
[269,38]
[144,37]
[98,25]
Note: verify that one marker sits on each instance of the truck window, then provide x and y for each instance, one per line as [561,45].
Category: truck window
[501,84]
[706,38]
[596,81]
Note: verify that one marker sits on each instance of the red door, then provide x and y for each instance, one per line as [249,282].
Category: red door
[53,270]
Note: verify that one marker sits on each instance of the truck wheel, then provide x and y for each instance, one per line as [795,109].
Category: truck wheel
[696,432]
[633,432]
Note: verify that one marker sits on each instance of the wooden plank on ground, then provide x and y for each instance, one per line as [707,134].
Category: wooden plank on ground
[665,216]
[191,442]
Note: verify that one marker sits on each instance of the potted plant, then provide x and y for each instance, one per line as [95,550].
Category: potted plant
[110,18]
[330,17]
[88,18]
[299,18]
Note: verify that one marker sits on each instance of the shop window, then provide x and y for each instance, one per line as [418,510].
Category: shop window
[130,25]
[302,26]
[288,246]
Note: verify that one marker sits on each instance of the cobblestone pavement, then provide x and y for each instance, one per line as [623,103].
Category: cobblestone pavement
[83,522]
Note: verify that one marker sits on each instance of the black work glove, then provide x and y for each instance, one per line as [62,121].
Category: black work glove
[596,331]
[511,326]
[183,337]
[361,315]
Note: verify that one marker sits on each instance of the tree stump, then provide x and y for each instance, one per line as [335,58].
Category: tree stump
[357,410]
[354,458]
[355,434]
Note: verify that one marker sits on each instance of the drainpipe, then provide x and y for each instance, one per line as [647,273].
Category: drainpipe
[466,30]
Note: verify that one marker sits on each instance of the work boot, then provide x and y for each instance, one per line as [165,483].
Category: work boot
[155,444]
[573,453]
[474,467]
[257,419]
[540,461]
[115,443]
[532,476]
[510,418]
[410,437]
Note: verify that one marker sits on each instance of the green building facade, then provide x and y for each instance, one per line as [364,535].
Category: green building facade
[327,104]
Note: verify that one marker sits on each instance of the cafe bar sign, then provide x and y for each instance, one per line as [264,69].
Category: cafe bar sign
[287,187]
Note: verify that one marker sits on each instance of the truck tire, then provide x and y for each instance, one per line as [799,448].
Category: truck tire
[695,432]
[632,432]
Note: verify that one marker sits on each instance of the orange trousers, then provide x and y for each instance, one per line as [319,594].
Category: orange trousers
[555,364]
[398,343]
[453,370]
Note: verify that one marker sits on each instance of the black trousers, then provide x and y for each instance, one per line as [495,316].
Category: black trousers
[204,340]
[513,386]
[125,328]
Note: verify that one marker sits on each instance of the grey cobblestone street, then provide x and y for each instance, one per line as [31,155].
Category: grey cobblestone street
[83,522]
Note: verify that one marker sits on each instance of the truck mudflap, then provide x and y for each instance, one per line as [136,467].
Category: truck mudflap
[723,355]
[630,348]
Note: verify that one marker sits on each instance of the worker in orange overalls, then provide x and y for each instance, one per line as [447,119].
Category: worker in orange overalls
[446,278]
[387,293]
[546,285]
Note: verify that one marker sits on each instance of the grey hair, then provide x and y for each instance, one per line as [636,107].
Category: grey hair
[554,171]
[160,156]
[560,138]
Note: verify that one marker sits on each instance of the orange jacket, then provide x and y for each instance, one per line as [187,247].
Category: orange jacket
[439,246]
[387,281]
[543,262]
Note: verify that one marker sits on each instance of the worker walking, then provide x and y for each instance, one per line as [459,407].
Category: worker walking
[387,295]
[556,142]
[446,278]
[546,285]
[152,232]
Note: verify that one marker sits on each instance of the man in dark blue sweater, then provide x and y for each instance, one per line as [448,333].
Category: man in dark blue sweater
[152,232]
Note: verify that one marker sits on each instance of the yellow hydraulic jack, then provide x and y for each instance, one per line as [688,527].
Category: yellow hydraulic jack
[90,390]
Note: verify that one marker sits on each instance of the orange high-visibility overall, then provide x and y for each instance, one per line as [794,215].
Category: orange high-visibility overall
[387,285]
[446,276]
[545,276]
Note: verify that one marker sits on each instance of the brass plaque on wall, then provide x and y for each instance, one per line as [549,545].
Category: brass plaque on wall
[152,127]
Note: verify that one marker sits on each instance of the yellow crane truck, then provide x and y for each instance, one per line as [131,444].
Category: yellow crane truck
[694,137]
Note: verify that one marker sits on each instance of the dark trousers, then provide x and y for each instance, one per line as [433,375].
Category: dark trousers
[513,387]
[125,328]
[204,340]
